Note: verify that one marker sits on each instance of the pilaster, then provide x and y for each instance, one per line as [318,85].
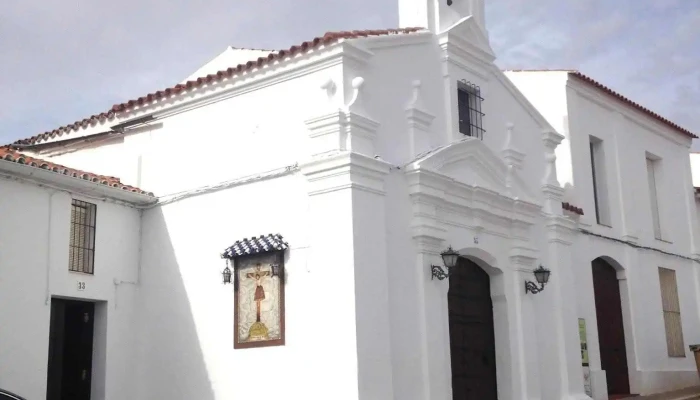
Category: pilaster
[561,372]
[512,156]
[562,375]
[349,256]
[419,121]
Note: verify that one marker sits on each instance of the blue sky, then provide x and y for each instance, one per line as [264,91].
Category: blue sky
[63,60]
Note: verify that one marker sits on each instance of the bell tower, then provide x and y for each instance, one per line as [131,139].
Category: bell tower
[438,15]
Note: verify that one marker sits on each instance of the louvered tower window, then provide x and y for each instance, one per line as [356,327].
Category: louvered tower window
[81,255]
[469,109]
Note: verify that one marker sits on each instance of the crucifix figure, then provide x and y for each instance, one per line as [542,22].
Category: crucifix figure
[259,296]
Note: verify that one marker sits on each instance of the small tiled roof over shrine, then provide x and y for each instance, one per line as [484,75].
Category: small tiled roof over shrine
[256,245]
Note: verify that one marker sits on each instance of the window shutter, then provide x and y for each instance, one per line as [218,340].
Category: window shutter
[672,312]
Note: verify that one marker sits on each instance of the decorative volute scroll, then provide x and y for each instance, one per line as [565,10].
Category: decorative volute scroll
[419,121]
[511,155]
[354,105]
[553,192]
[347,127]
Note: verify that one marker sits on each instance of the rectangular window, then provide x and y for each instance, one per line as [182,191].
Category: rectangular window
[652,172]
[81,255]
[600,188]
[672,312]
[469,108]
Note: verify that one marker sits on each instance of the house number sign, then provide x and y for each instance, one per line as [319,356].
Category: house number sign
[81,286]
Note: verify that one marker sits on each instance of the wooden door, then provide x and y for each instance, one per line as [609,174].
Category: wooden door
[472,342]
[611,333]
[70,350]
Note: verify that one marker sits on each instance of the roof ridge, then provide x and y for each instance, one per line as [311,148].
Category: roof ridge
[633,104]
[578,74]
[252,48]
[327,38]
[11,155]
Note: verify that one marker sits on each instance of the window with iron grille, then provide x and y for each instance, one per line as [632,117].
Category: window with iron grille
[81,255]
[469,108]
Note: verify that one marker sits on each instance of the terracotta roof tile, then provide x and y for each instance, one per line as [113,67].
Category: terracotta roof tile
[572,208]
[7,154]
[328,38]
[618,96]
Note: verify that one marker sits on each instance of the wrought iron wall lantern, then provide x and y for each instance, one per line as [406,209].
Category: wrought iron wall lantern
[227,273]
[449,258]
[541,276]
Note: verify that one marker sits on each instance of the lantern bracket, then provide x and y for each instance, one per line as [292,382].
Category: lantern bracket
[531,287]
[439,272]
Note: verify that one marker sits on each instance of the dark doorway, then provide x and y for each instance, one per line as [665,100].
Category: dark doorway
[70,350]
[472,341]
[611,333]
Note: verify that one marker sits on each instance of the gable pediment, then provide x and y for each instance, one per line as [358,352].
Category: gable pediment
[467,34]
[470,163]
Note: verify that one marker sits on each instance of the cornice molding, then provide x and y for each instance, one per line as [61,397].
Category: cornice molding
[345,170]
[416,38]
[342,131]
[560,229]
[486,210]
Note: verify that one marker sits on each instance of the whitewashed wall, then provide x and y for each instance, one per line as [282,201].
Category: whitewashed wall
[34,243]
[627,135]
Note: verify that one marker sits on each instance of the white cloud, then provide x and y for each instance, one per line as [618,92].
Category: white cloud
[647,50]
[63,60]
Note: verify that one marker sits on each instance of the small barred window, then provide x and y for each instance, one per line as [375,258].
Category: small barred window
[469,109]
[81,255]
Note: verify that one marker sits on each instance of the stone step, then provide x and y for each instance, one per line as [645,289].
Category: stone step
[691,393]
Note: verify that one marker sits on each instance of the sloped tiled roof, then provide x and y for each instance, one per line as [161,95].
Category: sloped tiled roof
[7,154]
[326,39]
[638,106]
[618,96]
[256,245]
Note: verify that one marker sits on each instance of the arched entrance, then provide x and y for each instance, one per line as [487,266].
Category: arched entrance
[611,333]
[472,340]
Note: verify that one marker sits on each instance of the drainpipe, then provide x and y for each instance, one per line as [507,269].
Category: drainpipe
[118,282]
[48,250]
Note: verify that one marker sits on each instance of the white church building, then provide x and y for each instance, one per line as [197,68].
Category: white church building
[366,215]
